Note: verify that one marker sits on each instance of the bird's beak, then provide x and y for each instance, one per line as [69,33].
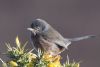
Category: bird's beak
[32,30]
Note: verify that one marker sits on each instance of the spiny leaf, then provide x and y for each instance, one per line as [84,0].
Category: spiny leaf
[18,42]
[24,45]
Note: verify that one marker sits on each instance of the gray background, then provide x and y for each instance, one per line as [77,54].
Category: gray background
[71,18]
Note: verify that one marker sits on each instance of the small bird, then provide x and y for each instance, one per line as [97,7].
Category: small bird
[46,38]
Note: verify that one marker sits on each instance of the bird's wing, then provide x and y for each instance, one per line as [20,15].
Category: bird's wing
[62,43]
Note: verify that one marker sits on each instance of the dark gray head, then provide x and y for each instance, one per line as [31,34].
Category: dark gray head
[38,25]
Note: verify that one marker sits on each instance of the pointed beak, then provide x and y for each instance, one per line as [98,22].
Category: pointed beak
[32,30]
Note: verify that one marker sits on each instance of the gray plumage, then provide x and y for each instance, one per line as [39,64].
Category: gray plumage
[45,37]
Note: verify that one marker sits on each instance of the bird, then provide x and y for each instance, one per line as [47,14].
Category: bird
[48,39]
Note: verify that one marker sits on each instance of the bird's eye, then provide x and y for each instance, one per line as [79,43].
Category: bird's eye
[36,25]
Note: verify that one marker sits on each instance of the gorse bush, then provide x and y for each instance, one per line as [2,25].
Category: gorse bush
[20,57]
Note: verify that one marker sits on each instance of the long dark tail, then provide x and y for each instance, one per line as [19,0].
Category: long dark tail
[81,38]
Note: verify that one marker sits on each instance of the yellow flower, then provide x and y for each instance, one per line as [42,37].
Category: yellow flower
[54,64]
[30,64]
[55,61]
[57,58]
[13,64]
[48,57]
[51,65]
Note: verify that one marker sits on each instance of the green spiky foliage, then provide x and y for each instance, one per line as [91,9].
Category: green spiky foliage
[19,57]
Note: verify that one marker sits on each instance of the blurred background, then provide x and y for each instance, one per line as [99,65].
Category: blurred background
[72,18]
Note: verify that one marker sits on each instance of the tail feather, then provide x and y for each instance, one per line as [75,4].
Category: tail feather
[81,38]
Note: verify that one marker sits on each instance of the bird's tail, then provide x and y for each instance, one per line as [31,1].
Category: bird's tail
[81,38]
